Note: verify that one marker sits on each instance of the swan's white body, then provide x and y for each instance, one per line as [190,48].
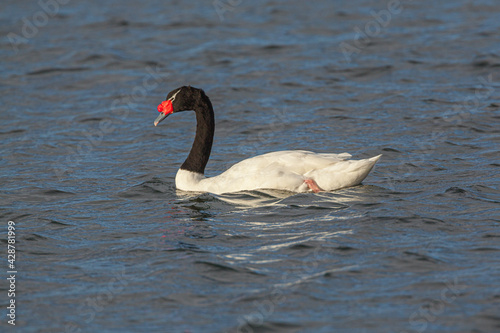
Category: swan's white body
[282,170]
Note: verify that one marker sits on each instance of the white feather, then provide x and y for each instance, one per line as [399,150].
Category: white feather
[283,170]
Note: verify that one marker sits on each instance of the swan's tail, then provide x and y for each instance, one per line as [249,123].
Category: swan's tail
[375,159]
[344,173]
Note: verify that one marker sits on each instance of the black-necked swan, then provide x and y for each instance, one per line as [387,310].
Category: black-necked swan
[292,170]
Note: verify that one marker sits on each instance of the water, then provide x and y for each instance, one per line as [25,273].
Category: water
[106,244]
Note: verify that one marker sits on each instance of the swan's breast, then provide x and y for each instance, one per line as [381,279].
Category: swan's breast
[188,180]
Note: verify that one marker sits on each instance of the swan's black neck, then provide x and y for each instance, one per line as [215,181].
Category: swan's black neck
[205,127]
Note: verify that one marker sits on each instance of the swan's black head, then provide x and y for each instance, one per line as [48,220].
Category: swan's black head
[181,99]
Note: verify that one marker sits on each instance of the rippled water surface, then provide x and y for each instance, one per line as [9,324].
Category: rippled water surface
[104,241]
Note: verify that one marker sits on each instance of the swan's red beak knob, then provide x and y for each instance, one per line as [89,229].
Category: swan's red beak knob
[165,109]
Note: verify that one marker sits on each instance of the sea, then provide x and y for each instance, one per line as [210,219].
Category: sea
[96,238]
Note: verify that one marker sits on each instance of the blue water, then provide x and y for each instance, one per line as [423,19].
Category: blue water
[105,243]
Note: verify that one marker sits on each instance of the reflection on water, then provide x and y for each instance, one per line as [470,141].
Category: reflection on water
[269,198]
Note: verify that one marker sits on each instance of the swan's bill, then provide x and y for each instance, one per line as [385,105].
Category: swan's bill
[161,117]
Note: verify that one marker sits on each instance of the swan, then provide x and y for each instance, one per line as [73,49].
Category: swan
[291,170]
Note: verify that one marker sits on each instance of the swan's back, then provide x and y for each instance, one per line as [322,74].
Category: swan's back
[294,161]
